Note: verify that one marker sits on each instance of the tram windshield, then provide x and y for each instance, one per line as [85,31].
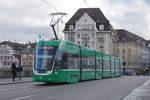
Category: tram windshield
[44,58]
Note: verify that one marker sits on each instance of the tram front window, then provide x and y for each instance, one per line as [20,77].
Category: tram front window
[44,58]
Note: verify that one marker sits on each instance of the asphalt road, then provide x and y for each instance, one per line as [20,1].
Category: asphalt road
[106,89]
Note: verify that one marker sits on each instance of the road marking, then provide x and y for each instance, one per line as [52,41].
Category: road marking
[24,97]
[13,88]
[142,90]
[49,98]
[14,91]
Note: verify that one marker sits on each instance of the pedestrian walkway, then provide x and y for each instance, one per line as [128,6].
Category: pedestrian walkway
[9,80]
[140,93]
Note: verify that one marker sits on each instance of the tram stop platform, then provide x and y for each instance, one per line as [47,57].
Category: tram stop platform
[5,81]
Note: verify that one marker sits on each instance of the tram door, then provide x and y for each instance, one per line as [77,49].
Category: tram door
[98,65]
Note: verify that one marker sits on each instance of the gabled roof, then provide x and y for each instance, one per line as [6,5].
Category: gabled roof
[29,48]
[147,41]
[126,35]
[95,13]
[14,45]
[32,45]
[18,46]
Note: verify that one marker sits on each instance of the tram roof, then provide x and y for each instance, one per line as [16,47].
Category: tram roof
[83,48]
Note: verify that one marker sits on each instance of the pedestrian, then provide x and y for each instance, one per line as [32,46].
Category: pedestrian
[19,69]
[13,71]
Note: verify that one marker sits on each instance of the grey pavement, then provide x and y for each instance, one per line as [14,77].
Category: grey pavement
[4,81]
[140,93]
[105,89]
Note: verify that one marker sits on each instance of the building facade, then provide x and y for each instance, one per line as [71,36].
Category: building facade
[145,55]
[130,50]
[0,64]
[89,27]
[10,52]
[28,56]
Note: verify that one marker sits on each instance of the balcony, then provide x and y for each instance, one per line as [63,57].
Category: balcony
[85,38]
[71,39]
[101,39]
[101,46]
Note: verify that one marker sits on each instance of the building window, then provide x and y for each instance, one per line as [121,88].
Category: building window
[30,56]
[123,45]
[8,57]
[71,36]
[85,20]
[123,51]
[124,63]
[118,51]
[85,27]
[79,42]
[117,44]
[92,43]
[85,43]
[85,37]
[30,63]
[5,46]
[129,50]
[101,27]
[129,64]
[123,57]
[1,51]
[93,35]
[71,27]
[101,44]
[78,35]
[11,57]
[24,56]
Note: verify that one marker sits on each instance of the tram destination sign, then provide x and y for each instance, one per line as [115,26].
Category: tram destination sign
[46,47]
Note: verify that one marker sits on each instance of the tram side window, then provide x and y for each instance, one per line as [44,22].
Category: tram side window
[87,62]
[58,60]
[92,63]
[112,64]
[73,61]
[107,64]
[61,61]
[116,65]
[99,63]
[84,62]
[104,64]
[77,61]
[67,61]
[120,67]
[64,61]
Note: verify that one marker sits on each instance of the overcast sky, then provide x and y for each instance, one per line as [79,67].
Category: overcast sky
[25,20]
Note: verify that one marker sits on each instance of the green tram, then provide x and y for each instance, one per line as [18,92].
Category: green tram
[63,61]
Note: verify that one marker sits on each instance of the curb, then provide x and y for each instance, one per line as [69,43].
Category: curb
[7,83]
